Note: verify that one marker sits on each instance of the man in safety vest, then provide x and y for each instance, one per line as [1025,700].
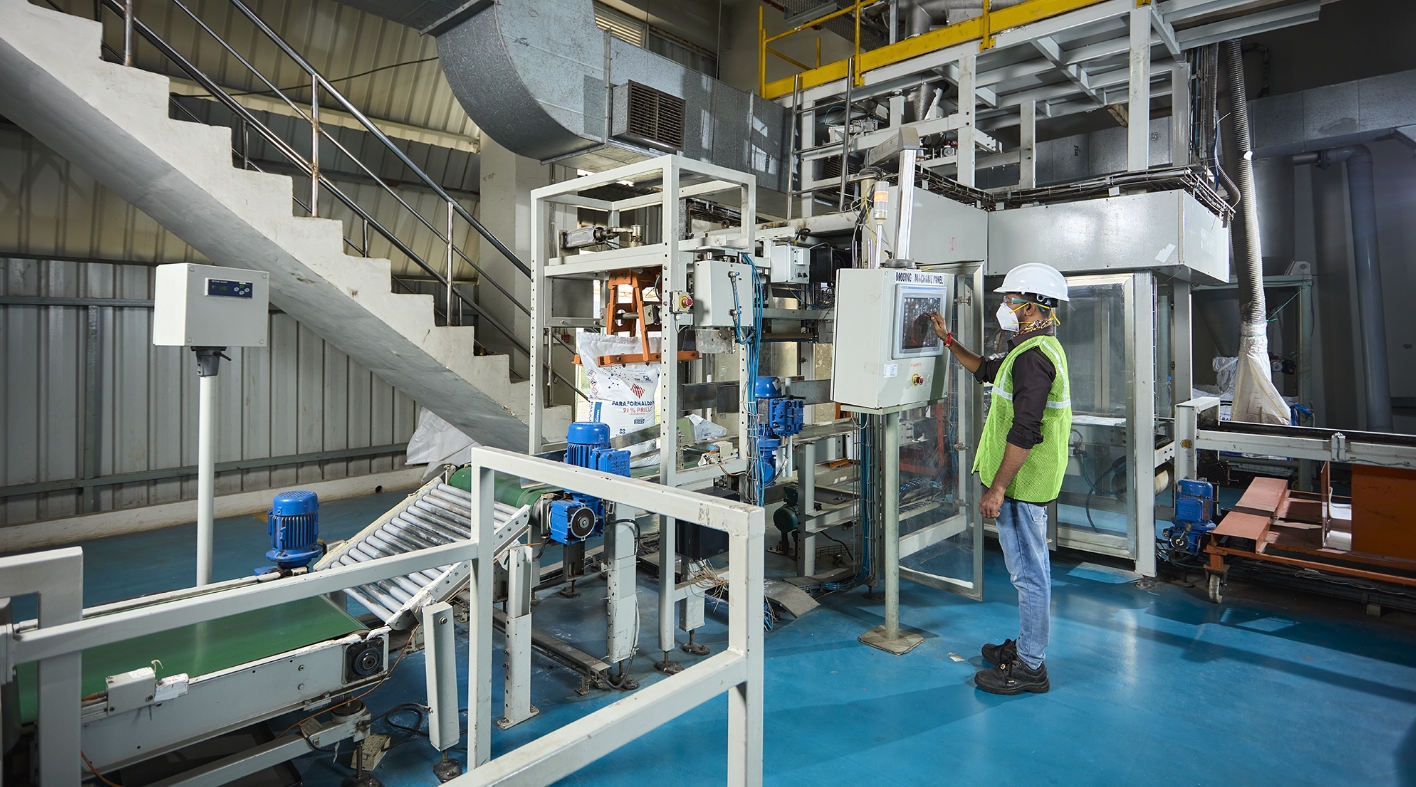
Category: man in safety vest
[1022,457]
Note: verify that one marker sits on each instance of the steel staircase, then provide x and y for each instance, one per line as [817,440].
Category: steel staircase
[116,123]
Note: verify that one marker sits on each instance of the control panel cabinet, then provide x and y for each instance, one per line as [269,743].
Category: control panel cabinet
[210,306]
[886,353]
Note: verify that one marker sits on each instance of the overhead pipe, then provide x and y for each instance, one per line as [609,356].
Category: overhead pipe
[1361,195]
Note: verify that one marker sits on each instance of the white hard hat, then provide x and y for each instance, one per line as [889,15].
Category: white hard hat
[1035,278]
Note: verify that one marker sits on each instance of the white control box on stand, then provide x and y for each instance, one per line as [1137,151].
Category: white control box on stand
[886,354]
[208,308]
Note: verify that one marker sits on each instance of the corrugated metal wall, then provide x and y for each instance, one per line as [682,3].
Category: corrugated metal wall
[299,396]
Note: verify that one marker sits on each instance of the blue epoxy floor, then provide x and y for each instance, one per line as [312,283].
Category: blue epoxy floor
[1150,685]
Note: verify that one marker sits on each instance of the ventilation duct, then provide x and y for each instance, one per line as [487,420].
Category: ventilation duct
[544,82]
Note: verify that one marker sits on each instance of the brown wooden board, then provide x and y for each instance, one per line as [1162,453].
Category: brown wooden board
[1263,496]
[1243,525]
[1384,511]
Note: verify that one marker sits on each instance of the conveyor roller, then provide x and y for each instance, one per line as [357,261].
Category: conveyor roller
[436,514]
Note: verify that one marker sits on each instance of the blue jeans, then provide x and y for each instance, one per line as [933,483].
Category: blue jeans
[1022,530]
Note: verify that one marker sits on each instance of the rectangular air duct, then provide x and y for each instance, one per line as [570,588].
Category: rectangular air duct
[647,116]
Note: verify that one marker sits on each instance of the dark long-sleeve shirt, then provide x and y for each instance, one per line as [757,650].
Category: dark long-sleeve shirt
[1033,374]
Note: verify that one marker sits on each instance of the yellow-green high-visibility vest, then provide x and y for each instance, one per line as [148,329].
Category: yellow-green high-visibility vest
[1040,478]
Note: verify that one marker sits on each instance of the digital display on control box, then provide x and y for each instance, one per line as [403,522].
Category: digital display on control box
[914,332]
[226,288]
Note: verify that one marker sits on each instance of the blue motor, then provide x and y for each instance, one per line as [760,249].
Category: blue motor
[1194,515]
[778,417]
[582,516]
[294,526]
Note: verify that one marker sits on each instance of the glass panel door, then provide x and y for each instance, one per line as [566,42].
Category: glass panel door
[941,533]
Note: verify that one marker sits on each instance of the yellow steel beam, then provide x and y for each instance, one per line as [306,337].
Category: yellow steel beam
[976,29]
[796,63]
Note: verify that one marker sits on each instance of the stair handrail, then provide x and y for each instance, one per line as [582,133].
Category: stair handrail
[310,168]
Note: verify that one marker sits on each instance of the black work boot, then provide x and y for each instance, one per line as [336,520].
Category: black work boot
[1001,654]
[1013,677]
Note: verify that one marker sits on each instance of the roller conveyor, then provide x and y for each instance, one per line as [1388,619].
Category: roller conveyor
[434,515]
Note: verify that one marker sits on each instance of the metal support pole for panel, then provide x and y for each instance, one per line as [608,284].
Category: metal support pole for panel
[1138,111]
[128,33]
[667,584]
[440,662]
[1180,115]
[479,627]
[806,507]
[449,265]
[208,364]
[889,637]
[314,147]
[516,691]
[965,154]
[892,525]
[1027,144]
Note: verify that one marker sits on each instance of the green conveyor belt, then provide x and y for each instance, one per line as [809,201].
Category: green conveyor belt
[208,647]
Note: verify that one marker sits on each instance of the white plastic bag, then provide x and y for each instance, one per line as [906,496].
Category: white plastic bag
[622,396]
[436,443]
[1256,400]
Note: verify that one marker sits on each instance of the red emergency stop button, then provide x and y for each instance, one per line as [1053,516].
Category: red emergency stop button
[917,379]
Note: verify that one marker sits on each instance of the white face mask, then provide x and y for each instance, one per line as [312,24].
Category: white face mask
[1007,318]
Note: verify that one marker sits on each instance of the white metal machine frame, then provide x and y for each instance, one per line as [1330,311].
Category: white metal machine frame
[63,633]
[677,179]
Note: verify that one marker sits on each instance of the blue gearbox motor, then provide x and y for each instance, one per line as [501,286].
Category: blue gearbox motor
[1194,515]
[580,516]
[294,526]
[778,417]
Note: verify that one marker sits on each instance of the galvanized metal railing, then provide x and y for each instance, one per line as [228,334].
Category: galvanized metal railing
[322,92]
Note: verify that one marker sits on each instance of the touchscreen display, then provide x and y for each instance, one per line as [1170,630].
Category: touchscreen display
[916,330]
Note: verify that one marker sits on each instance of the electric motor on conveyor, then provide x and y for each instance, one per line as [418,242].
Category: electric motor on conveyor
[778,417]
[568,517]
[293,523]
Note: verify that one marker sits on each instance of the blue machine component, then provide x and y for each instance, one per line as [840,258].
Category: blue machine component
[582,516]
[1194,517]
[293,522]
[778,417]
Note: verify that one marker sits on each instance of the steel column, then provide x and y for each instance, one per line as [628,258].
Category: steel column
[1140,406]
[1138,110]
[440,663]
[1180,115]
[1027,144]
[806,507]
[966,154]
[516,689]
[668,557]
[479,627]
